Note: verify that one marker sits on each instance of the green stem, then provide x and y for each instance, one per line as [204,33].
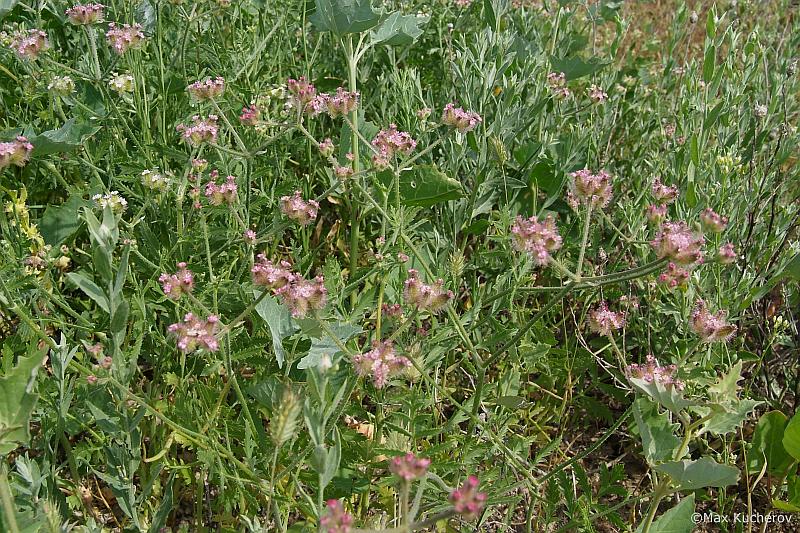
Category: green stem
[10,516]
[584,240]
[661,491]
[93,47]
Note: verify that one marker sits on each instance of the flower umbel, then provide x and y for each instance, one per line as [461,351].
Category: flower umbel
[466,499]
[711,327]
[539,239]
[604,322]
[336,520]
[712,221]
[424,297]
[200,131]
[125,37]
[652,372]
[382,362]
[194,333]
[590,188]
[679,243]
[84,14]
[16,152]
[207,89]
[297,209]
[459,119]
[178,284]
[29,44]
[409,467]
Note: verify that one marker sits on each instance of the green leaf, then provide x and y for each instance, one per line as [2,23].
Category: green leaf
[326,345]
[658,433]
[705,472]
[665,395]
[90,288]
[278,320]
[791,436]
[6,6]
[711,24]
[426,185]
[17,401]
[767,445]
[164,508]
[146,16]
[342,17]
[708,63]
[575,67]
[399,30]
[676,520]
[60,222]
[729,417]
[65,139]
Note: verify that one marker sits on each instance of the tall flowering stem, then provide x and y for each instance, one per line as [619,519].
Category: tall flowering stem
[352,64]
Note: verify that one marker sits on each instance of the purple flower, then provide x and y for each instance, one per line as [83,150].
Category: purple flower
[459,119]
[539,239]
[382,362]
[297,209]
[652,372]
[175,285]
[207,89]
[604,322]
[679,243]
[194,333]
[336,520]
[29,44]
[125,37]
[409,467]
[711,327]
[424,297]
[712,221]
[589,188]
[85,14]
[16,152]
[726,254]
[466,499]
[200,131]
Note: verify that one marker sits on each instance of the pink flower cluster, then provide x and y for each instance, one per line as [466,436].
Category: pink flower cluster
[589,188]
[663,194]
[297,293]
[604,322]
[178,284]
[337,105]
[409,467]
[207,89]
[84,14]
[29,44]
[390,142]
[297,209]
[558,85]
[539,239]
[336,520]
[201,130]
[711,327]
[326,148]
[651,372]
[301,94]
[656,213]
[16,152]
[674,276]
[676,241]
[712,221]
[425,297]
[459,119]
[125,37]
[597,94]
[250,115]
[194,333]
[726,254]
[467,500]
[382,362]
[226,193]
